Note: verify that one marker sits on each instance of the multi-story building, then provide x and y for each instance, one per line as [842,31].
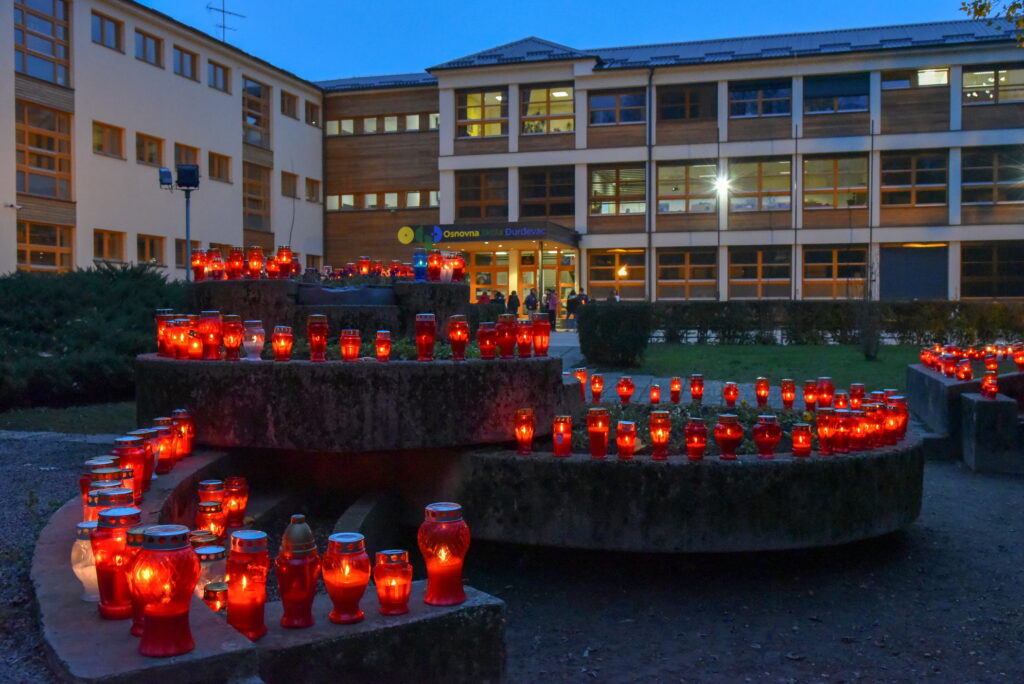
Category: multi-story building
[885,161]
[101,94]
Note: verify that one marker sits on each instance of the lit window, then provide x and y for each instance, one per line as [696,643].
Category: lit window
[993,85]
[412,199]
[761,185]
[332,202]
[348,202]
[390,200]
[149,249]
[348,127]
[412,122]
[482,113]
[617,191]
[548,109]
[370,200]
[370,124]
[902,79]
[43,151]
[433,121]
[149,150]
[332,128]
[687,187]
[835,183]
[616,270]
[433,198]
[44,247]
[390,124]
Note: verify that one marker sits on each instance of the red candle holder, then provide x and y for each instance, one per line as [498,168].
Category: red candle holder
[346,570]
[86,478]
[235,263]
[801,436]
[842,424]
[655,394]
[660,426]
[110,549]
[767,435]
[523,426]
[597,431]
[991,362]
[162,579]
[858,438]
[541,334]
[443,539]
[195,343]
[198,264]
[730,392]
[989,385]
[426,335]
[857,395]
[787,388]
[162,317]
[458,268]
[349,343]
[215,596]
[625,388]
[211,490]
[254,262]
[178,330]
[236,498]
[234,334]
[625,439]
[104,496]
[728,435]
[458,336]
[435,262]
[281,341]
[216,269]
[964,371]
[170,436]
[948,364]
[696,435]
[392,577]
[825,392]
[316,334]
[382,345]
[248,565]
[840,400]
[298,570]
[596,388]
[210,516]
[284,261]
[562,436]
[167,449]
[506,335]
[761,389]
[134,544]
[131,453]
[697,388]
[524,338]
[273,268]
[900,402]
[581,377]
[363,265]
[1018,358]
[826,426]
[486,338]
[675,389]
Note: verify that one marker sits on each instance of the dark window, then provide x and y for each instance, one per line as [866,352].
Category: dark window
[687,187]
[836,93]
[993,175]
[914,178]
[750,99]
[481,194]
[608,107]
[548,191]
[688,273]
[759,184]
[106,31]
[992,269]
[759,272]
[687,102]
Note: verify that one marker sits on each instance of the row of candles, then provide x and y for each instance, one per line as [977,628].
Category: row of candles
[954,362]
[252,264]
[211,336]
[149,574]
[820,393]
[839,431]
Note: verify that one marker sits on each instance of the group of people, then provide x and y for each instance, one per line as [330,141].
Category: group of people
[532,303]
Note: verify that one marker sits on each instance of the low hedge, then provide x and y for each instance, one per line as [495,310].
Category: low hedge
[72,338]
[615,333]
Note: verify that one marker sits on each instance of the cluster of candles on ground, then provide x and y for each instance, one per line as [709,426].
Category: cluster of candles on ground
[845,421]
[954,362]
[149,574]
[211,336]
[252,264]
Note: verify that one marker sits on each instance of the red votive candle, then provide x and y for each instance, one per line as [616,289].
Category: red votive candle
[541,334]
[363,265]
[346,570]
[235,263]
[281,341]
[248,565]
[162,317]
[857,395]
[284,261]
[210,516]
[825,391]
[382,345]
[110,549]
[948,363]
[254,262]
[162,579]
[211,490]
[458,268]
[826,425]
[316,334]
[561,436]
[761,389]
[236,498]
[625,388]
[234,333]
[810,395]
[597,431]
[964,371]
[787,388]
[298,570]
[506,335]
[801,435]
[728,435]
[134,545]
[991,362]
[523,425]
[211,331]
[216,269]
[195,343]
[660,426]
[426,335]
[697,388]
[1018,357]
[131,453]
[655,394]
[524,338]
[989,385]
[349,343]
[458,336]
[392,577]
[443,539]
[198,265]
[696,435]
[840,400]
[675,390]
[730,392]
[581,377]
[596,387]
[625,438]
[435,262]
[486,337]
[767,435]
[841,432]
[104,496]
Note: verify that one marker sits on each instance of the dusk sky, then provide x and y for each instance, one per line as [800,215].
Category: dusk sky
[321,39]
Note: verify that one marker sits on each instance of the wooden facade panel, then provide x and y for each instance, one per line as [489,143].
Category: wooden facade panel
[915,110]
[616,224]
[43,93]
[1009,115]
[683,132]
[835,218]
[495,145]
[364,103]
[675,223]
[46,210]
[549,141]
[625,135]
[914,216]
[829,125]
[258,237]
[1000,213]
[257,155]
[351,234]
[377,163]
[761,128]
[759,220]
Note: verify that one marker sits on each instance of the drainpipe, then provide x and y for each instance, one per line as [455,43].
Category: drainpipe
[651,198]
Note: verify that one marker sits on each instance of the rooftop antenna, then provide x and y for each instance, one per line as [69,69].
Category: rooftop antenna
[223,25]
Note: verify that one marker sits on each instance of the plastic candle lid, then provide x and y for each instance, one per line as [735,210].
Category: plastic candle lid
[128,516]
[211,553]
[165,538]
[393,556]
[443,511]
[84,530]
[346,542]
[248,541]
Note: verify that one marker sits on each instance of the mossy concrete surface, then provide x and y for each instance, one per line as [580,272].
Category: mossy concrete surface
[354,407]
[991,434]
[750,504]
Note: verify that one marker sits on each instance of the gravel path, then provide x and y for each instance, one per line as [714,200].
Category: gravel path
[941,602]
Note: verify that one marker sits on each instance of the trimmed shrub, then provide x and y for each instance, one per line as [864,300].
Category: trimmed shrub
[615,333]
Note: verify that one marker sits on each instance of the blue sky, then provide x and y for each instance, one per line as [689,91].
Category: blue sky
[321,39]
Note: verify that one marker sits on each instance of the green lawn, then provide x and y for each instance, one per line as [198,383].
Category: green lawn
[744,363]
[93,419]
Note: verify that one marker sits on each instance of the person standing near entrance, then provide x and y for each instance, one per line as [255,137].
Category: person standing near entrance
[552,307]
[513,304]
[571,304]
[531,301]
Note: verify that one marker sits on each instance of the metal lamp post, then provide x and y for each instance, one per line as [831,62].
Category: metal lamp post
[188,180]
